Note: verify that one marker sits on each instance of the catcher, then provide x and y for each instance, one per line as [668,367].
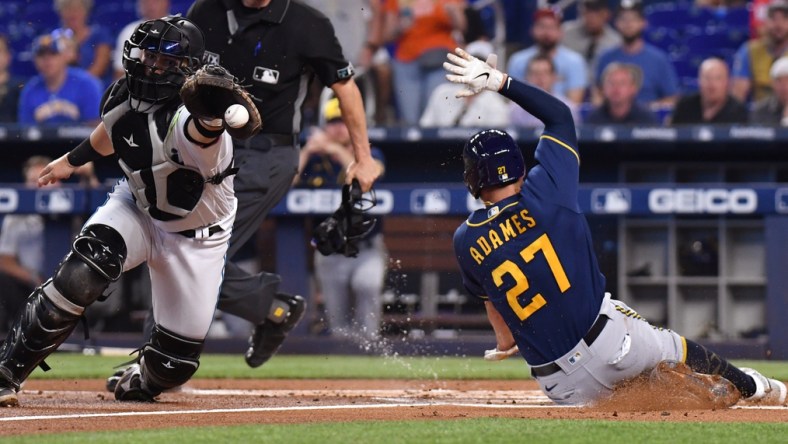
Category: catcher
[529,254]
[174,210]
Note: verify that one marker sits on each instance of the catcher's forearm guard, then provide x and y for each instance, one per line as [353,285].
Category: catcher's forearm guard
[211,90]
[342,231]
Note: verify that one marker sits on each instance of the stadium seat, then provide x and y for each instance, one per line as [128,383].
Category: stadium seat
[721,43]
[40,15]
[667,39]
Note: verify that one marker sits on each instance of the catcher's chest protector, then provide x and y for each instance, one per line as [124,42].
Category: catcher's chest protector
[161,185]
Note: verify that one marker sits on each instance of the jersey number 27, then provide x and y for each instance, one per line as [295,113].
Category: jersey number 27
[521,282]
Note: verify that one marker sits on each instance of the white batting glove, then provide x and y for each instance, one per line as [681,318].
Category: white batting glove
[500,355]
[473,73]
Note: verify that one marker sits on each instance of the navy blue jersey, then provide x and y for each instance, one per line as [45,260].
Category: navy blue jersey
[531,255]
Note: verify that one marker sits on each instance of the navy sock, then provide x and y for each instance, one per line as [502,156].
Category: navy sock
[702,360]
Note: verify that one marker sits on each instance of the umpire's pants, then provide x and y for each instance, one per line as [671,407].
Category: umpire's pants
[267,165]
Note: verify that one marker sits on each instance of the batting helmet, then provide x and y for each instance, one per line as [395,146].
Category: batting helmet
[158,57]
[491,158]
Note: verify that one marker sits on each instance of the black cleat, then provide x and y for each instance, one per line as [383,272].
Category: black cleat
[112,381]
[269,336]
[131,388]
[8,396]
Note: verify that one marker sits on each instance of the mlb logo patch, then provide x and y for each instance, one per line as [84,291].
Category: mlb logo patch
[574,359]
[265,75]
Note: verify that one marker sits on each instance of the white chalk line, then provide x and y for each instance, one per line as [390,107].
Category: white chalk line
[528,399]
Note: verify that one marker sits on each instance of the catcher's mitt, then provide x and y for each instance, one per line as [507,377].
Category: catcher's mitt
[342,231]
[211,90]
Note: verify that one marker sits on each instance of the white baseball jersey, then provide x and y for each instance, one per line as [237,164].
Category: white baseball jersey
[167,191]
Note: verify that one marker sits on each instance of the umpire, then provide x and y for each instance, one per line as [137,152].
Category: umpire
[275,48]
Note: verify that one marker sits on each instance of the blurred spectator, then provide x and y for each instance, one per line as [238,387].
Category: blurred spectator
[570,66]
[21,250]
[423,31]
[362,46]
[59,93]
[590,35]
[146,10]
[620,83]
[94,42]
[540,73]
[712,103]
[660,84]
[753,60]
[486,109]
[773,110]
[10,85]
[351,288]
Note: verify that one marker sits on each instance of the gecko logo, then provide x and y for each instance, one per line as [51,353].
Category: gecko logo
[434,201]
[698,201]
[611,201]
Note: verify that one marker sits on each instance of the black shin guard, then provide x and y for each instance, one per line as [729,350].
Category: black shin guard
[169,360]
[40,329]
[702,360]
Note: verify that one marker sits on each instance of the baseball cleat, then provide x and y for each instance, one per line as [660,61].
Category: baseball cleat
[711,390]
[8,397]
[767,391]
[112,381]
[268,337]
[131,388]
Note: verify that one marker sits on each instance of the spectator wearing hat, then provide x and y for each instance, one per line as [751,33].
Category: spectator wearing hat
[773,110]
[486,109]
[350,288]
[660,84]
[570,66]
[712,104]
[10,85]
[620,83]
[58,93]
[751,64]
[540,73]
[590,34]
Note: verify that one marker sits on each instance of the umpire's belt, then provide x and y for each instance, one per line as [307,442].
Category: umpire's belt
[201,233]
[266,141]
[593,333]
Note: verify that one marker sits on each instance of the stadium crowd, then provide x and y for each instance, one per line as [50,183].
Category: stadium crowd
[628,62]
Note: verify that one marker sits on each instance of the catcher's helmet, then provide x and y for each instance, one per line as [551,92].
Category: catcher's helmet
[491,158]
[158,57]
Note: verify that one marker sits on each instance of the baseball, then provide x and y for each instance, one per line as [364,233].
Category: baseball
[236,116]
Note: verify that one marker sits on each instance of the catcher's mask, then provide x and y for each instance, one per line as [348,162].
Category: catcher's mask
[491,159]
[342,231]
[158,57]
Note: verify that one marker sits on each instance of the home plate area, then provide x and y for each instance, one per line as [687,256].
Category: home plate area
[53,406]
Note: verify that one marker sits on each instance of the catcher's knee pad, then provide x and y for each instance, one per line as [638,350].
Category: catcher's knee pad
[169,360]
[95,260]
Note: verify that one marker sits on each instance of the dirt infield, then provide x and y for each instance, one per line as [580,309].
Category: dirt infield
[51,406]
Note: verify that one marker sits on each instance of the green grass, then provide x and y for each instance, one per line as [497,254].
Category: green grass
[486,430]
[72,366]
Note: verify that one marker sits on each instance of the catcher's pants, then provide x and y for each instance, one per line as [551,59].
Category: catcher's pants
[627,346]
[352,289]
[185,273]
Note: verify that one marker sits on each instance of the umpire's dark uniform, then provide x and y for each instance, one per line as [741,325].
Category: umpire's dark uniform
[275,51]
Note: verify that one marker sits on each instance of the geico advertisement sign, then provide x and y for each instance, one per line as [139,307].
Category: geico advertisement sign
[696,200]
[327,201]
